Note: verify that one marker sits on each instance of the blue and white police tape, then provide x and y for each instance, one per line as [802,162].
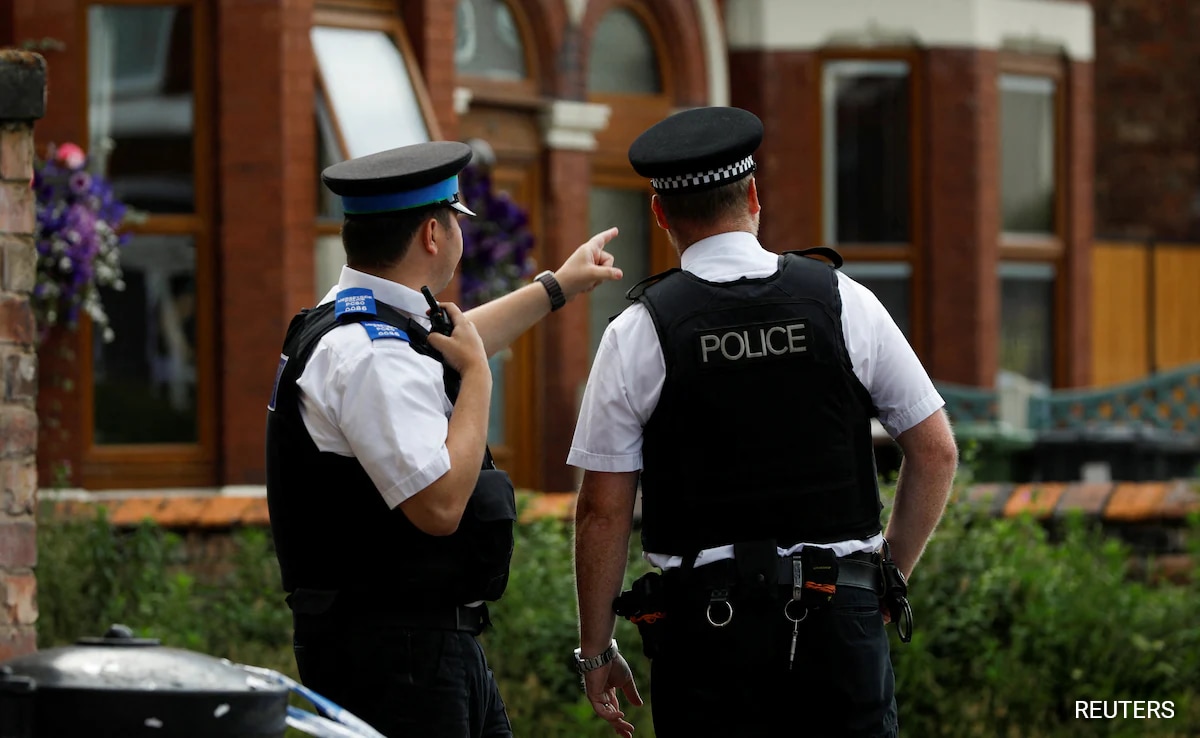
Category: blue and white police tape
[330,721]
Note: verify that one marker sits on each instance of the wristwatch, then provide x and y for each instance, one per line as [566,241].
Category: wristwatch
[557,299]
[583,665]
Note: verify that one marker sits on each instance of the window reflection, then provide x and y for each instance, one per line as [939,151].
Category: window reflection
[370,90]
[628,210]
[866,152]
[890,283]
[488,41]
[622,59]
[1027,130]
[145,380]
[1027,321]
[141,104]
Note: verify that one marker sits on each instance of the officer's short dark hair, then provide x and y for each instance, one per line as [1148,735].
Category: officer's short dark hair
[707,206]
[379,240]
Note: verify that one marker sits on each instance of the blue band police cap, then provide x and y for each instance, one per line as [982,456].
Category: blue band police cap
[400,179]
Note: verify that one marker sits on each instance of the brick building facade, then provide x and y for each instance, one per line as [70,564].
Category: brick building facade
[22,101]
[946,150]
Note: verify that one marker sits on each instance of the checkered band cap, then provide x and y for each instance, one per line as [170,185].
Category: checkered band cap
[706,180]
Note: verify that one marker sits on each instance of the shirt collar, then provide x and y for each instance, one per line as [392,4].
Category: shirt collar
[738,244]
[386,291]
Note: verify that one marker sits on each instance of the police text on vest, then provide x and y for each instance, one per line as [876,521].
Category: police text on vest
[758,341]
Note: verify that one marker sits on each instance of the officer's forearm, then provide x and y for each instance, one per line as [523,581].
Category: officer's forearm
[503,320]
[603,520]
[438,508]
[926,474]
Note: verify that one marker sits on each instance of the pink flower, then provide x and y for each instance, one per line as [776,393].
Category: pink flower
[71,155]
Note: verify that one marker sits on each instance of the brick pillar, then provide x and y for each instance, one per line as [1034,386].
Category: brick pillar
[563,353]
[1081,211]
[430,25]
[267,175]
[569,129]
[22,101]
[782,88]
[962,141]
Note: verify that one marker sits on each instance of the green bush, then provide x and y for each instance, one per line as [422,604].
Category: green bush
[1013,624]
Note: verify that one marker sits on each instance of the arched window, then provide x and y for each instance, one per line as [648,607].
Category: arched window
[488,41]
[626,73]
[622,59]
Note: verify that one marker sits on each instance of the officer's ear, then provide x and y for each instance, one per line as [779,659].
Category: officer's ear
[752,198]
[659,216]
[429,234]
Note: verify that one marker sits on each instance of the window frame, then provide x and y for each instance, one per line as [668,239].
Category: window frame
[522,93]
[631,114]
[913,252]
[169,464]
[1050,249]
[365,15]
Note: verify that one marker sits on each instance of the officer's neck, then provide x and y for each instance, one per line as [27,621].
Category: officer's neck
[682,240]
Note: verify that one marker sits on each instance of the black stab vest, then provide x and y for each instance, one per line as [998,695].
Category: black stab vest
[762,429]
[332,528]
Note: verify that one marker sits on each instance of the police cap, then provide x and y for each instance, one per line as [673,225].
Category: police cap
[400,179]
[698,149]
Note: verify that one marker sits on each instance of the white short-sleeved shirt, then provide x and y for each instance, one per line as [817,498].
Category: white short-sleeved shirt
[629,370]
[378,401]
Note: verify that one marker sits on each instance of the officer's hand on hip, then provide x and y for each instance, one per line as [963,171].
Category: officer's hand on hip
[589,266]
[601,687]
[463,349]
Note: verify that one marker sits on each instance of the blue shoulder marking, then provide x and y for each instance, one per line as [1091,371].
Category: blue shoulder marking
[355,300]
[377,330]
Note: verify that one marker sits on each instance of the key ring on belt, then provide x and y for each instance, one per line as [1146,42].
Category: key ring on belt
[719,597]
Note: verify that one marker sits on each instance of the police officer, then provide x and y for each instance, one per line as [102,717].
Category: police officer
[391,523]
[740,389]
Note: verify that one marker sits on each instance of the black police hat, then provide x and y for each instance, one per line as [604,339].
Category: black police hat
[400,179]
[698,149]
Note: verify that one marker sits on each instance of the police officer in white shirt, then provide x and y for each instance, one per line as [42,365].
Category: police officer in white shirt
[391,523]
[738,391]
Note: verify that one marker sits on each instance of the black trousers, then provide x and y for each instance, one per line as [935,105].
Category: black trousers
[735,680]
[403,681]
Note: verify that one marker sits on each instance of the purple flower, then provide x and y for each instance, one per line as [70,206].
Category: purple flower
[76,227]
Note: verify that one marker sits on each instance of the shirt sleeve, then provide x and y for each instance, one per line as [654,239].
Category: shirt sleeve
[385,405]
[623,388]
[884,361]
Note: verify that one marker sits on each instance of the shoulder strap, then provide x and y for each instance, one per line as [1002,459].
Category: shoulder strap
[634,292]
[833,256]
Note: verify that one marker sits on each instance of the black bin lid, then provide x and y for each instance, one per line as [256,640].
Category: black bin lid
[121,685]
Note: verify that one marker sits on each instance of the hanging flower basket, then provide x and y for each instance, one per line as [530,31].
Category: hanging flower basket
[497,244]
[78,241]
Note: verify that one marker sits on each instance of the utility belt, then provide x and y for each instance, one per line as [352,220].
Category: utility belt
[757,577]
[316,610]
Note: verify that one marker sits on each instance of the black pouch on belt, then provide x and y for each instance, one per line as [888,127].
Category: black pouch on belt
[645,605]
[756,562]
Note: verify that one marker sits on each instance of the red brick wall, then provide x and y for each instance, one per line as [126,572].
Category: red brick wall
[23,75]
[1147,86]
[962,215]
[783,89]
[1082,210]
[267,204]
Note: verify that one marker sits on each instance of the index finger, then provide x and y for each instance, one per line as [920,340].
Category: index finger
[603,237]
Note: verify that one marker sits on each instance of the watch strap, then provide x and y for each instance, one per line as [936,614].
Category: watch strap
[583,665]
[553,289]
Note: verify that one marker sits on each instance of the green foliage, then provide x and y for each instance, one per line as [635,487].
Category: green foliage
[536,631]
[1014,623]
[91,575]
